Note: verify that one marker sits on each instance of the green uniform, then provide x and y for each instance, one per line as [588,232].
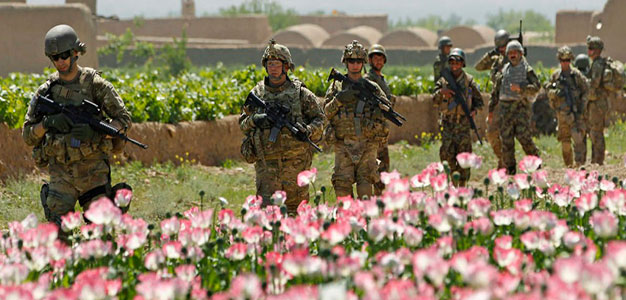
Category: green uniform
[570,116]
[278,163]
[383,150]
[514,113]
[600,90]
[456,134]
[441,62]
[356,127]
[78,171]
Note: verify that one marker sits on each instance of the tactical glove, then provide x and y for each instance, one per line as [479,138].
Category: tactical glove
[83,132]
[345,95]
[261,121]
[59,122]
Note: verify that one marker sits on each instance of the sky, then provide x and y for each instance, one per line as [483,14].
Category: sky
[395,9]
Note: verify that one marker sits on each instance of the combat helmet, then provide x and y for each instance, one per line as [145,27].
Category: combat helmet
[457,53]
[277,51]
[564,53]
[377,49]
[582,62]
[354,50]
[514,45]
[595,42]
[501,38]
[62,38]
[444,41]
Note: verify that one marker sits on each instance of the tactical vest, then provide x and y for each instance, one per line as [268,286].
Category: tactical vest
[356,119]
[512,75]
[61,147]
[560,103]
[454,112]
[286,145]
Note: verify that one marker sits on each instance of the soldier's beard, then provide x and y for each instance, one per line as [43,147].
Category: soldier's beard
[515,60]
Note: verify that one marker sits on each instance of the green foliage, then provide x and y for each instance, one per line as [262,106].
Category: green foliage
[533,21]
[278,16]
[432,22]
[174,56]
[126,43]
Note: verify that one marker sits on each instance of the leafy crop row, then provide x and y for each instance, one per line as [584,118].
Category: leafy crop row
[205,94]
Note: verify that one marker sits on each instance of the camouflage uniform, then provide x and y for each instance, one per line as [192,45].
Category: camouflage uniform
[494,61]
[383,150]
[79,170]
[514,114]
[601,88]
[456,134]
[356,127]
[278,163]
[571,123]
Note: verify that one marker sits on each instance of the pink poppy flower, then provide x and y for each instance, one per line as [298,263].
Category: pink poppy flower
[439,182]
[154,260]
[172,249]
[615,202]
[522,181]
[571,239]
[498,177]
[237,251]
[529,164]
[387,177]
[123,197]
[279,198]
[604,223]
[93,248]
[202,219]
[616,253]
[469,160]
[413,236]
[569,269]
[503,217]
[225,216]
[252,235]
[596,278]
[71,220]
[479,207]
[607,185]
[440,221]
[481,226]
[170,226]
[504,242]
[246,286]
[306,177]
[337,232]
[586,202]
[103,212]
[186,272]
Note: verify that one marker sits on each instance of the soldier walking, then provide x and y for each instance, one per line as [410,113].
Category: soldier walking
[75,154]
[441,61]
[602,85]
[567,91]
[456,135]
[515,87]
[278,163]
[377,59]
[494,60]
[355,125]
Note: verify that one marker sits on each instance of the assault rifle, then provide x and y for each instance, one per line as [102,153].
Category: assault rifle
[366,92]
[81,114]
[520,38]
[278,115]
[459,99]
[567,94]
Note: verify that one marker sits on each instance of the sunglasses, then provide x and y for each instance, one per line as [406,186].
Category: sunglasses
[353,60]
[566,60]
[65,55]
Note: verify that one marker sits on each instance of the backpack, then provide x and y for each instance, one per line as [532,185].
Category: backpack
[617,72]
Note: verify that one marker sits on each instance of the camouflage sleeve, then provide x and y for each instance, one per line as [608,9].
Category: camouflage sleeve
[608,82]
[495,93]
[331,105]
[437,95]
[477,98]
[112,103]
[437,70]
[552,89]
[484,63]
[30,120]
[312,111]
[532,87]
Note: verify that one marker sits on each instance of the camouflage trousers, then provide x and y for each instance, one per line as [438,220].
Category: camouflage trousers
[382,158]
[282,174]
[355,162]
[571,127]
[456,138]
[493,137]
[71,181]
[597,112]
[514,118]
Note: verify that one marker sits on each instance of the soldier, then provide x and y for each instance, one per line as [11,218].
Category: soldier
[75,154]
[515,87]
[602,86]
[278,163]
[378,58]
[567,92]
[355,125]
[456,135]
[494,60]
[441,61]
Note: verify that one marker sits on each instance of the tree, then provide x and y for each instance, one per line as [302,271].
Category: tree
[278,16]
[433,22]
[509,20]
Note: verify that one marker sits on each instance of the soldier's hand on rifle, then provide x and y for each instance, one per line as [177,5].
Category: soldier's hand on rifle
[59,121]
[82,132]
[304,130]
[346,95]
[261,120]
[447,93]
